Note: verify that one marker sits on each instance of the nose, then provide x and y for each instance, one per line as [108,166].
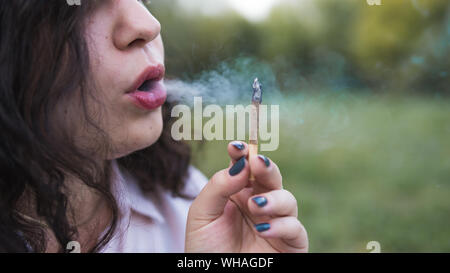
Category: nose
[136,26]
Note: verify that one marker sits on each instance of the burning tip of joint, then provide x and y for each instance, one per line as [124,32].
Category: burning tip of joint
[257,91]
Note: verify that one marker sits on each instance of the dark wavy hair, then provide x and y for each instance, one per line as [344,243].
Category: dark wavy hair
[44,61]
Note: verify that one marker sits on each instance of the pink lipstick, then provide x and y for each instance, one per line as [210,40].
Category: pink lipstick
[148,91]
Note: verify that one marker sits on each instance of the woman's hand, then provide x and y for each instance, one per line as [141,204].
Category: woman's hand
[223,216]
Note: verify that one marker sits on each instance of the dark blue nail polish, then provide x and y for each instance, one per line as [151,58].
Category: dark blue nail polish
[237,167]
[262,227]
[238,145]
[265,159]
[261,201]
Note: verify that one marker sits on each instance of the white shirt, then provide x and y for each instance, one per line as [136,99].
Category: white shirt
[147,223]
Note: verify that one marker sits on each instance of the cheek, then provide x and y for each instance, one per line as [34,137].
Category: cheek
[128,129]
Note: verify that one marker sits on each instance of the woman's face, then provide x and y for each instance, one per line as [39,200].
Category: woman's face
[127,65]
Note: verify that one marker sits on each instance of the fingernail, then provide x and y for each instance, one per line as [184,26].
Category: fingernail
[238,145]
[262,227]
[237,167]
[265,159]
[261,201]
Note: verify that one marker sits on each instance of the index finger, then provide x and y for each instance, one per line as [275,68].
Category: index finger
[267,174]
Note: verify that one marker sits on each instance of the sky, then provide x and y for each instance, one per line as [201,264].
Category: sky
[253,10]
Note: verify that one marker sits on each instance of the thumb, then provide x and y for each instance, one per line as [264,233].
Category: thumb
[211,201]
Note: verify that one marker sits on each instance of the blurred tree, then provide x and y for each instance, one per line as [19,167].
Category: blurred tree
[388,42]
[402,45]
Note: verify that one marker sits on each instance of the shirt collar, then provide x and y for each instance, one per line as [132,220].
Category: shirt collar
[131,197]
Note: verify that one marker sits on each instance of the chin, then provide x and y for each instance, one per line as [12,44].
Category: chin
[140,135]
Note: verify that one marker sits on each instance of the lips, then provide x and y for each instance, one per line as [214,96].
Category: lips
[148,91]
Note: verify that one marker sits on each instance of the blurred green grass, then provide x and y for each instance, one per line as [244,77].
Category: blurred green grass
[363,168]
